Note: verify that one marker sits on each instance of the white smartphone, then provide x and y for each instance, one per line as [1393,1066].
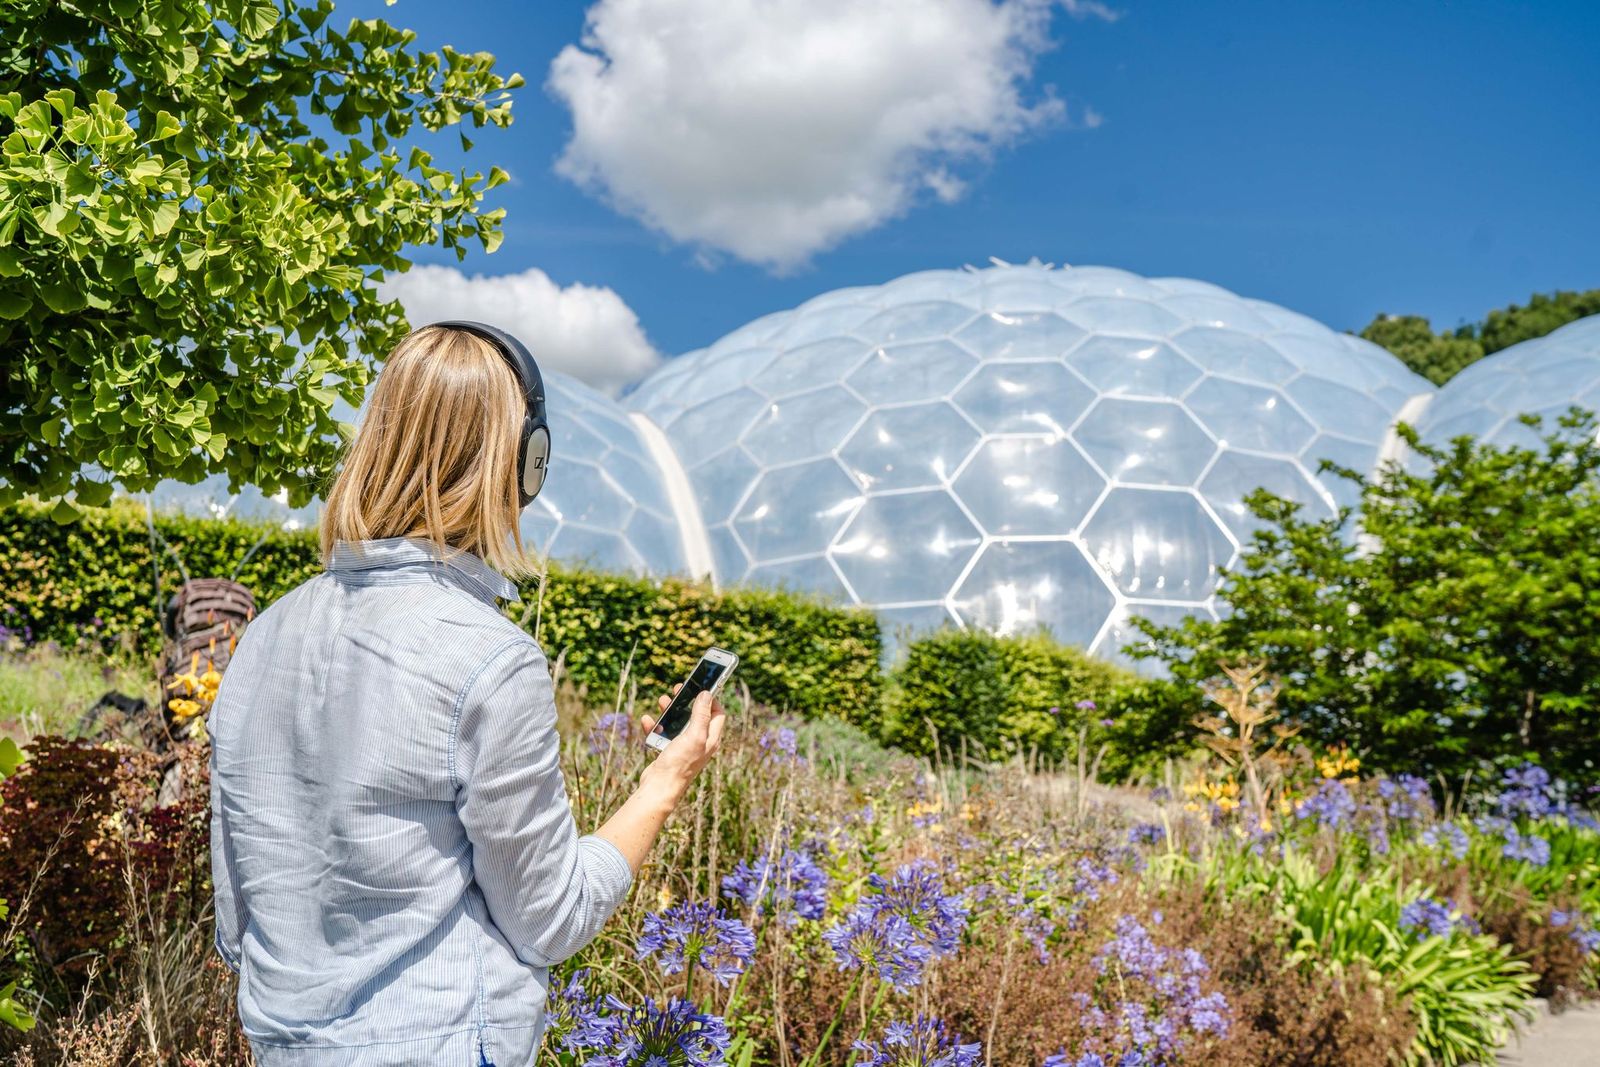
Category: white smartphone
[709,675]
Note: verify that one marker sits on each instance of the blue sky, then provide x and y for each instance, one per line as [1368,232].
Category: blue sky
[1340,159]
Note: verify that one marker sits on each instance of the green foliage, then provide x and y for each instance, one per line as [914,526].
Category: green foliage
[798,653]
[187,269]
[1572,874]
[947,687]
[1469,633]
[1464,990]
[1439,357]
[47,690]
[12,1013]
[998,695]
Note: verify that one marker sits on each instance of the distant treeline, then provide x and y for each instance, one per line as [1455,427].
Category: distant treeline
[1441,356]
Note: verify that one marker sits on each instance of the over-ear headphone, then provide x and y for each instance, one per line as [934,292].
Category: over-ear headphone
[533,449]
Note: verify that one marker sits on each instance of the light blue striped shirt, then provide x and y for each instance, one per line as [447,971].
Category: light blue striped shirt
[394,858]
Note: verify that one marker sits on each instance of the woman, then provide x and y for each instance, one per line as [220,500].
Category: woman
[394,858]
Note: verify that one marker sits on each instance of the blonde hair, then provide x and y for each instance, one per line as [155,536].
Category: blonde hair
[436,454]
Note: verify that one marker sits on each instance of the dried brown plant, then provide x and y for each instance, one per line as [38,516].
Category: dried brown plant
[1248,735]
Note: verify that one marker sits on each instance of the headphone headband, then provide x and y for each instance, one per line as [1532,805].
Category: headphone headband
[533,451]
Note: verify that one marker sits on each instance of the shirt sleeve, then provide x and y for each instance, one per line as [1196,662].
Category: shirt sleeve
[226,903]
[548,890]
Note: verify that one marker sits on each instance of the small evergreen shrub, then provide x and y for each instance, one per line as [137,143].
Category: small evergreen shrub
[1002,695]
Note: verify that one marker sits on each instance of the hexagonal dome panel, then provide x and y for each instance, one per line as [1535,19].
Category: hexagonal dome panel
[1017,586]
[910,447]
[1039,447]
[1020,486]
[792,511]
[921,370]
[1146,442]
[898,547]
[1157,544]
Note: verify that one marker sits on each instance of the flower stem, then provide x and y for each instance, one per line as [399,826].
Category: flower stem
[815,1056]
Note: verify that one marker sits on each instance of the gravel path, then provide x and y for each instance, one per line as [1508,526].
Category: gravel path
[1571,1039]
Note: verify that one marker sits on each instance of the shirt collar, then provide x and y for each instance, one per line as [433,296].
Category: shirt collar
[389,552]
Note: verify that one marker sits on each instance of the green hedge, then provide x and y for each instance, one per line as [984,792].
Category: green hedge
[96,577]
[1002,694]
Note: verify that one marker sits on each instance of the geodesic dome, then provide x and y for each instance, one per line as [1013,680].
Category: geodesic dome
[1544,376]
[1016,446]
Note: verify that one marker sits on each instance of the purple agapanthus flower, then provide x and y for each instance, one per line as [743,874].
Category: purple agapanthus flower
[1406,798]
[609,731]
[793,888]
[916,893]
[1331,805]
[1525,790]
[1530,848]
[1582,931]
[1088,1059]
[923,1042]
[885,943]
[1089,875]
[1147,833]
[1087,705]
[1148,1007]
[576,1019]
[1448,837]
[780,746]
[652,1035]
[1428,915]
[697,931]
[900,927]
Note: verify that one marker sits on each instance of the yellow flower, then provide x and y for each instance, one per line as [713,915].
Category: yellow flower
[183,708]
[1224,794]
[1338,763]
[921,808]
[968,812]
[663,898]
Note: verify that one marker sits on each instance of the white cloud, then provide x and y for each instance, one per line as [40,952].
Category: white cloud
[586,331]
[1090,9]
[774,129]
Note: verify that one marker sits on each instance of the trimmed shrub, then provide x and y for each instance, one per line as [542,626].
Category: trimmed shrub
[1003,695]
[60,580]
[102,574]
[796,653]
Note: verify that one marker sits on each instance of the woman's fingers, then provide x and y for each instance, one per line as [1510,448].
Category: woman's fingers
[714,728]
[647,723]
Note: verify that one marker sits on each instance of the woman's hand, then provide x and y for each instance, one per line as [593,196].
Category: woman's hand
[687,754]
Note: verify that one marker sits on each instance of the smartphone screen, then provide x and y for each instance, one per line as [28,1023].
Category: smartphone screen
[705,676]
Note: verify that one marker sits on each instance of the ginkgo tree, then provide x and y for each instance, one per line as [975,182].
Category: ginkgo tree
[197,201]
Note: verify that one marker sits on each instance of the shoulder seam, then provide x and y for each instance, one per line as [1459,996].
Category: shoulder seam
[461,699]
